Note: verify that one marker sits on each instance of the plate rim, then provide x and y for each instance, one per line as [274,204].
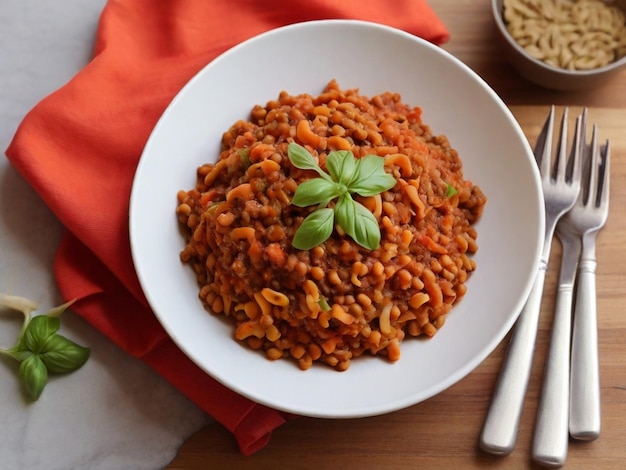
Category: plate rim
[369,411]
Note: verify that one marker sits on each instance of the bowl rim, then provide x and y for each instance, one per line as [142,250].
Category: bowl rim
[496,8]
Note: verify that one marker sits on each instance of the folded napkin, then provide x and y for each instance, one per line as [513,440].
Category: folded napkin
[79,148]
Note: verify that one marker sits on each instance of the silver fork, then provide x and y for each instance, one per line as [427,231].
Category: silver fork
[560,184]
[586,219]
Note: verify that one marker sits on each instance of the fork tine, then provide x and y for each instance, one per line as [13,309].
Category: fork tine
[598,177]
[543,147]
[578,149]
[604,175]
[588,151]
[560,165]
[592,191]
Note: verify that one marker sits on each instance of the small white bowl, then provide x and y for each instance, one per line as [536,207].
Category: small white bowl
[546,75]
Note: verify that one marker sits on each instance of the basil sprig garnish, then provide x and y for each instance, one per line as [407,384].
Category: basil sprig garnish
[346,176]
[40,350]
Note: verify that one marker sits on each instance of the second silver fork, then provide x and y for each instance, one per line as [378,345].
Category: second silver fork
[577,231]
[584,419]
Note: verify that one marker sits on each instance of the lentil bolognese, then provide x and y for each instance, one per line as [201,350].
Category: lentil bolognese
[338,300]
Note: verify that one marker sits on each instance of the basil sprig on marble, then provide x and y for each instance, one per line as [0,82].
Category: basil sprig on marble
[40,350]
[346,176]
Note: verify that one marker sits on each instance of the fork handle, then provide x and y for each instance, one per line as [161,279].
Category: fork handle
[502,421]
[585,420]
[551,428]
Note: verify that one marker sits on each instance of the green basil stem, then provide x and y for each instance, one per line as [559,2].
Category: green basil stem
[346,176]
[20,304]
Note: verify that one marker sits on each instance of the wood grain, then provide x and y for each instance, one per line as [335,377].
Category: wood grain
[442,432]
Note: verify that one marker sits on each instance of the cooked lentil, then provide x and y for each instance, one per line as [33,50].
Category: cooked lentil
[337,301]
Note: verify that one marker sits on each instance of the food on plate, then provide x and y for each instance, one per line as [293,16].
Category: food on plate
[334,299]
[568,34]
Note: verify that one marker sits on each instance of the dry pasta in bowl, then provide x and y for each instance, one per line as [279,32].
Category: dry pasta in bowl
[338,300]
[573,35]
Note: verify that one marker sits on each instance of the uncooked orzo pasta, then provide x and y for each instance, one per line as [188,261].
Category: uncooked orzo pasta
[569,34]
[338,300]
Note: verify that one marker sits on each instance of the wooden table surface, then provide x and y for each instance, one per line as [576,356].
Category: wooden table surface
[442,432]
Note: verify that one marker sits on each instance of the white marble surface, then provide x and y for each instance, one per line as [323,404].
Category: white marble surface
[114,413]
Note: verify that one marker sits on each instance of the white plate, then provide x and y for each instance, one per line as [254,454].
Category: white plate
[374,58]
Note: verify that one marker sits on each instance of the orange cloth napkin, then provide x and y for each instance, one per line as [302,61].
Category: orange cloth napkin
[79,148]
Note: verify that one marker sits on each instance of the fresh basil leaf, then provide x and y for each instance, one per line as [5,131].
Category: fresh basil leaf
[302,158]
[315,229]
[315,191]
[61,355]
[367,233]
[34,376]
[38,330]
[40,350]
[358,222]
[345,213]
[370,177]
[341,165]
